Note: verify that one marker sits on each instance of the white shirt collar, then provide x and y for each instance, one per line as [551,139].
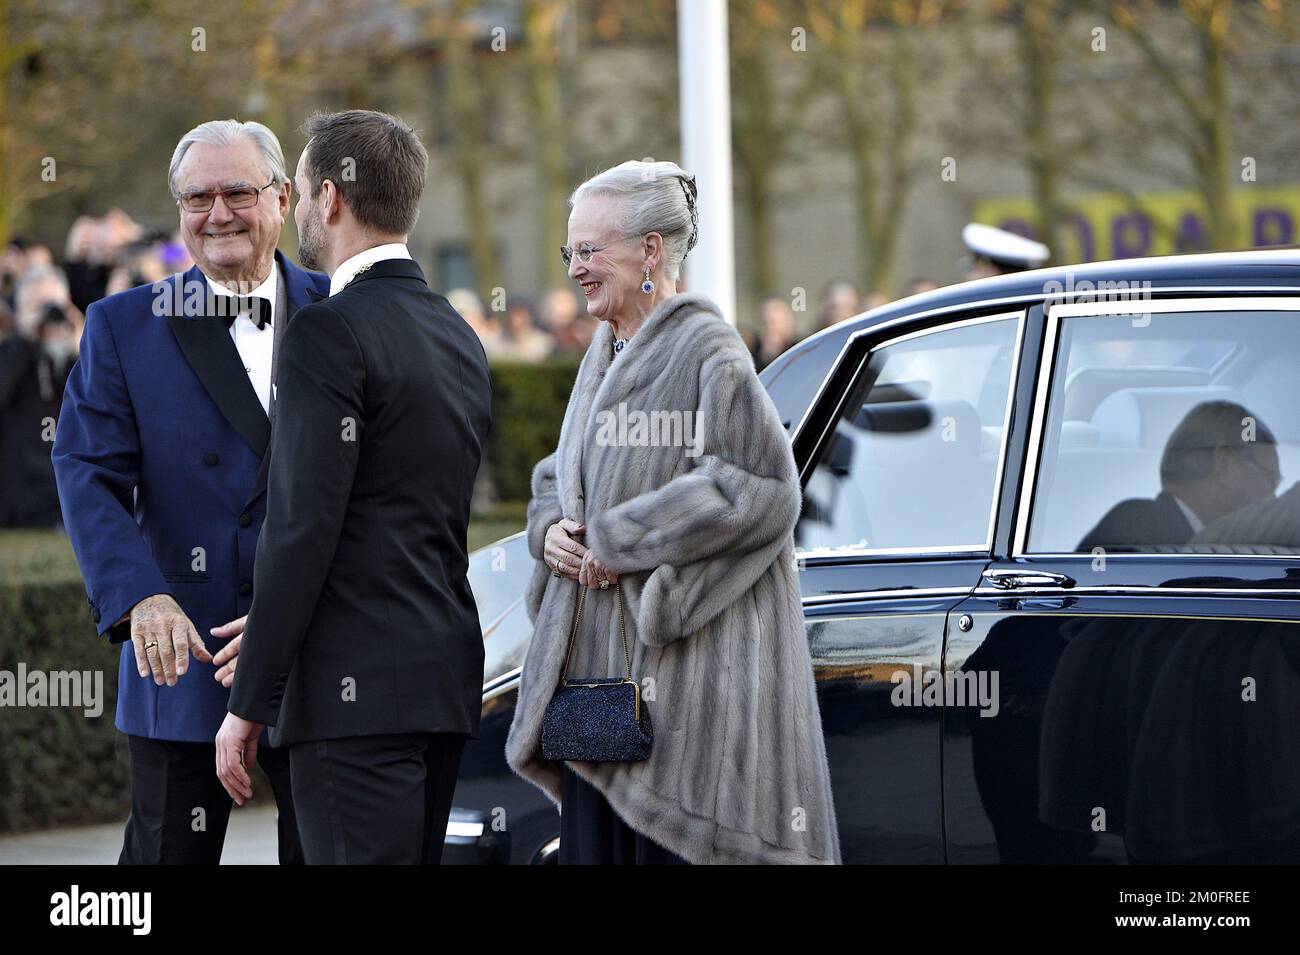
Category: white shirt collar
[266,290]
[1196,523]
[350,267]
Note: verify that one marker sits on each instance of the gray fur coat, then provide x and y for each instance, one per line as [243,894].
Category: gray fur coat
[699,524]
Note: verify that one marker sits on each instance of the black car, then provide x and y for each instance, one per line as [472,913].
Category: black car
[1050,561]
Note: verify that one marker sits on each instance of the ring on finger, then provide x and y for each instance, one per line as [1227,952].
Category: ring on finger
[150,645]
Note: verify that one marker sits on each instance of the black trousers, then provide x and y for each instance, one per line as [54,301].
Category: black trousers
[375,800]
[179,810]
[591,832]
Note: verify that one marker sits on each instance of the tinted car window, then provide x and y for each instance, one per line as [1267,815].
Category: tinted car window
[913,460]
[1172,432]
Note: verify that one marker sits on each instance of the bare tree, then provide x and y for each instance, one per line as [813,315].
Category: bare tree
[767,110]
[469,102]
[546,66]
[1196,75]
[877,110]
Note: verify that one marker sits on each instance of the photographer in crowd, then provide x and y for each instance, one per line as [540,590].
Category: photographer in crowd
[36,355]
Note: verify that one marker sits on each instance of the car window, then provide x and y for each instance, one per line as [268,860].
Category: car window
[498,574]
[913,461]
[793,378]
[1172,432]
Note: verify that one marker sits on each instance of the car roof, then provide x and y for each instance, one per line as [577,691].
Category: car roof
[1256,267]
[1260,269]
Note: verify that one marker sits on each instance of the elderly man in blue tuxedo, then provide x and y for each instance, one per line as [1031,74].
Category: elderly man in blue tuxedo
[160,455]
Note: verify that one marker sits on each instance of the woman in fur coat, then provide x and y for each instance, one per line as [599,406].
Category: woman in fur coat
[674,485]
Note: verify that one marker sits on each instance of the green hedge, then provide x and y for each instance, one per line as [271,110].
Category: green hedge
[528,402]
[57,766]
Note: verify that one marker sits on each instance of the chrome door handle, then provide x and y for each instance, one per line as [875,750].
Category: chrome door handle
[1017,579]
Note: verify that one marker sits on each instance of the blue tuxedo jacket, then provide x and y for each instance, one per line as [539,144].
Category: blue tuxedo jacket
[158,455]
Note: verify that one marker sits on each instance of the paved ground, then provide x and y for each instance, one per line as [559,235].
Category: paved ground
[250,840]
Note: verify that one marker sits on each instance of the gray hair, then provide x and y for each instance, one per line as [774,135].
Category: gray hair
[655,197]
[225,132]
[34,277]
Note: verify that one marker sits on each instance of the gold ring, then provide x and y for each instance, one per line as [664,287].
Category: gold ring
[149,646]
[555,570]
[604,583]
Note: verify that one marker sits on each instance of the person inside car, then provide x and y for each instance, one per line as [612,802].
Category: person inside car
[1220,458]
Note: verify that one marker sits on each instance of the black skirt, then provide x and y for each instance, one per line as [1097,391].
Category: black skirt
[591,833]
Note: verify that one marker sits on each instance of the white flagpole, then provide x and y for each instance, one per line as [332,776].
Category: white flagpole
[704,71]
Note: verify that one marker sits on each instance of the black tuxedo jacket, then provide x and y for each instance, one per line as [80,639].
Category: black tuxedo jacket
[1138,522]
[362,619]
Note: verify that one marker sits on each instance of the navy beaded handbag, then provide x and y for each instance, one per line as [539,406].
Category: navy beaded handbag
[597,719]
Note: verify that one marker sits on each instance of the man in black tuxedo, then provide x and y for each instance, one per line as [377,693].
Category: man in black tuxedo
[362,648]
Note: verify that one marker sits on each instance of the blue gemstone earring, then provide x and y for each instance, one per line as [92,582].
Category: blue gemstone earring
[647,286]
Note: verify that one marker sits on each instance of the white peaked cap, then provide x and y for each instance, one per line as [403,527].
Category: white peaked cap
[1004,248]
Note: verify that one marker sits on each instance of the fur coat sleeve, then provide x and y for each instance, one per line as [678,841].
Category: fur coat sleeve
[543,511]
[711,532]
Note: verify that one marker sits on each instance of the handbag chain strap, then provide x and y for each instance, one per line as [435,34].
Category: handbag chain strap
[577,616]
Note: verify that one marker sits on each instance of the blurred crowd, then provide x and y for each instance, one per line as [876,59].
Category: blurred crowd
[776,327]
[43,300]
[528,332]
[44,297]
[558,325]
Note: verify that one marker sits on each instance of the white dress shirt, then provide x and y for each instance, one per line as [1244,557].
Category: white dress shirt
[364,259]
[255,344]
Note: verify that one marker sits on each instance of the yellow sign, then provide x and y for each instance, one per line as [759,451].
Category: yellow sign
[1110,226]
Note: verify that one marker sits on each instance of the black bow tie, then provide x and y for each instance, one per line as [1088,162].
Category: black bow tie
[229,307]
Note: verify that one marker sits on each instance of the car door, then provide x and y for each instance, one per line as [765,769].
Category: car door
[1137,629]
[901,458]
[507,817]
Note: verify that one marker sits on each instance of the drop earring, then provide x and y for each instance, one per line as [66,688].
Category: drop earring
[647,286]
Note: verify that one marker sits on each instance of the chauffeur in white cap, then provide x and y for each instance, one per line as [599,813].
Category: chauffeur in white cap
[997,252]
